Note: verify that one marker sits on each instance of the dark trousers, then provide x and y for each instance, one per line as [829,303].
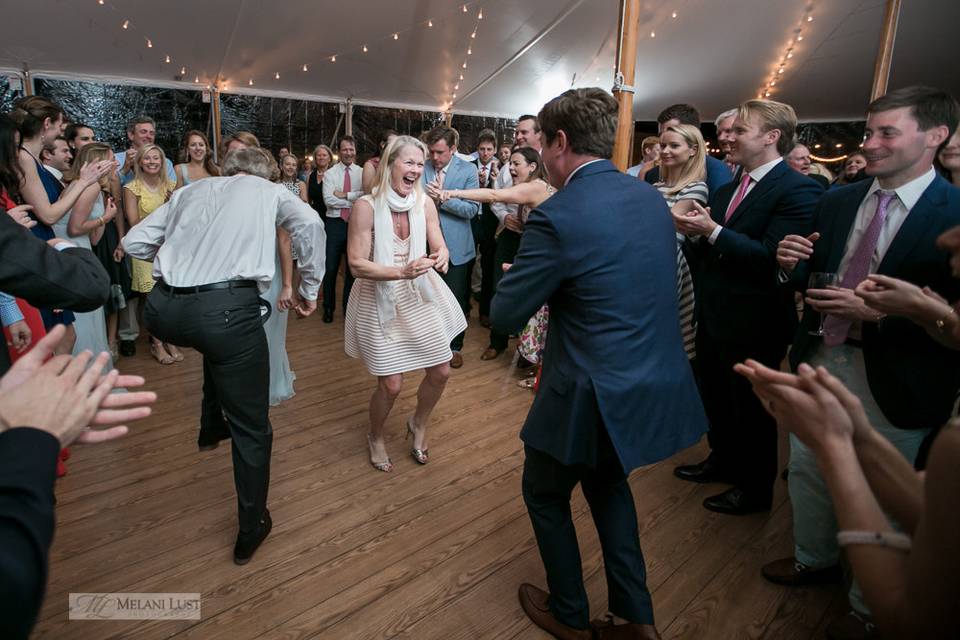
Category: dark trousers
[742,435]
[225,326]
[487,248]
[457,278]
[336,230]
[508,242]
[547,485]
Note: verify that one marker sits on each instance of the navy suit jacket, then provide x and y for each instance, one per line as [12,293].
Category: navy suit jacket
[739,300]
[602,252]
[913,379]
[455,214]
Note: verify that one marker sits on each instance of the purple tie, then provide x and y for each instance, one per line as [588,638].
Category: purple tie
[835,327]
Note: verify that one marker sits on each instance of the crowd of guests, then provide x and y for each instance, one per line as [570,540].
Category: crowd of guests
[670,309]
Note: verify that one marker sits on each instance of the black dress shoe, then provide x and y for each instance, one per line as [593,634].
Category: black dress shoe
[248,544]
[128,348]
[735,502]
[327,316]
[703,472]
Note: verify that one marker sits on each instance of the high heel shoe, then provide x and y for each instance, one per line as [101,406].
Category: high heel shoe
[385,466]
[420,455]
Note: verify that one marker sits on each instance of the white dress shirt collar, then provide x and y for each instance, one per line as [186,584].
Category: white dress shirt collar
[574,172]
[760,172]
[909,193]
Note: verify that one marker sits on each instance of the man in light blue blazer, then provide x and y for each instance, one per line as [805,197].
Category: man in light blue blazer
[445,170]
[617,391]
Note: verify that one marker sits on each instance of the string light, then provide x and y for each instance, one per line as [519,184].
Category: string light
[196,80]
[796,37]
[333,58]
[430,23]
[673,15]
[167,59]
[250,82]
[396,36]
[365,48]
[305,68]
[480,15]
[276,76]
[100,2]
[126,24]
[183,71]
[828,160]
[149,43]
[464,8]
[653,34]
[470,51]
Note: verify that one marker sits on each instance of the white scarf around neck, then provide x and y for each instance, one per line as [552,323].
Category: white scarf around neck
[383,250]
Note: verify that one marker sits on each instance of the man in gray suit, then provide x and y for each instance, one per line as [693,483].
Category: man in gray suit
[444,170]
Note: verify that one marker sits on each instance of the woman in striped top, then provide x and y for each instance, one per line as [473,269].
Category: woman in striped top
[401,316]
[683,170]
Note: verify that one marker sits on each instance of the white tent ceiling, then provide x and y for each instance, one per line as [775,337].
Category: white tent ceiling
[714,53]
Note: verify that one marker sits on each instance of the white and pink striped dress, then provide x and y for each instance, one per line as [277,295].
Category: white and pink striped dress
[421,332]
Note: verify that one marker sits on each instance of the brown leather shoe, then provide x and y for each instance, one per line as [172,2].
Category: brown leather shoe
[853,626]
[535,604]
[790,573]
[456,361]
[605,629]
[490,354]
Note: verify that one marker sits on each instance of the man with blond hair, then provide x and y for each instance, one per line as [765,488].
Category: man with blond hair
[742,312]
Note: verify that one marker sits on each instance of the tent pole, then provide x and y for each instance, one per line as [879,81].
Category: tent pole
[448,119]
[881,72]
[28,89]
[623,89]
[215,112]
[348,117]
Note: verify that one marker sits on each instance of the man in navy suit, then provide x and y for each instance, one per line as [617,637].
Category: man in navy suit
[742,312]
[905,378]
[617,391]
[445,170]
[718,173]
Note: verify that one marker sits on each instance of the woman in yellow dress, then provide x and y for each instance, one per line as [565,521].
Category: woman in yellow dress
[149,189]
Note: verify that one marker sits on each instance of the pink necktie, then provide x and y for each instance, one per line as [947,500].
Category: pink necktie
[836,328]
[738,198]
[345,213]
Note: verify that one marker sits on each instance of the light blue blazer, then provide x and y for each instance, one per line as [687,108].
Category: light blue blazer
[455,214]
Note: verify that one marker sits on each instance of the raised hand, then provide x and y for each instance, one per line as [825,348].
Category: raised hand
[793,248]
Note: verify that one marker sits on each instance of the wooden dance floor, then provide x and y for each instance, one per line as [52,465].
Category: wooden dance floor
[424,552]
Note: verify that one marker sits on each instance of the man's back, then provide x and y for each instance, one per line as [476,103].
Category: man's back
[606,249]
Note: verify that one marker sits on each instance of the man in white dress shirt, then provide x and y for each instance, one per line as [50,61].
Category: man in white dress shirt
[342,185]
[213,250]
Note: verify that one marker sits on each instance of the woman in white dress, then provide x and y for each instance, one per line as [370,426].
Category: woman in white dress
[84,226]
[401,316]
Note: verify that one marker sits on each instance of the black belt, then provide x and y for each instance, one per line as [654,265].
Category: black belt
[214,286]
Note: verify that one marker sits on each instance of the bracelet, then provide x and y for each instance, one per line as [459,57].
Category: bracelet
[941,323]
[101,222]
[891,539]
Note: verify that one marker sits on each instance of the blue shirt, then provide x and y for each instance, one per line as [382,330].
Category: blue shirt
[9,311]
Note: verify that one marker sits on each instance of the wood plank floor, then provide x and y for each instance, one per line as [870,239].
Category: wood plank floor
[424,552]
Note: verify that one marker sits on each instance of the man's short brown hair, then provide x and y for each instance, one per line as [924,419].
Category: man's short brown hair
[773,115]
[588,117]
[447,134]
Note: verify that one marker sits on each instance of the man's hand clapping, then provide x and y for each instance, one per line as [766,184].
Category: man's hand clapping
[793,248]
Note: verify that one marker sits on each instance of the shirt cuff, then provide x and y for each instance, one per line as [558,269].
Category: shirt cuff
[60,246]
[782,276]
[715,234]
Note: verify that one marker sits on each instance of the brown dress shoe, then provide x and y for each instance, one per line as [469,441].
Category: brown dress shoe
[790,573]
[456,361]
[535,604]
[605,629]
[490,354]
[853,626]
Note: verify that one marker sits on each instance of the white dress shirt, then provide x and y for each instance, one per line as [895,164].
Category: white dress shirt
[501,210]
[755,176]
[333,181]
[222,229]
[897,211]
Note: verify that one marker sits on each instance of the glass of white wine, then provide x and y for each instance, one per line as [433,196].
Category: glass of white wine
[821,280]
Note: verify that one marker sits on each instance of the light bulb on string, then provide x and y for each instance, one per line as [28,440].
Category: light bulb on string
[365,48]
[470,51]
[167,59]
[480,15]
[473,35]
[183,71]
[100,2]
[809,18]
[653,34]
[464,65]
[430,23]
[673,15]
[149,43]
[305,67]
[464,8]
[333,58]
[396,36]
[276,76]
[196,80]
[250,82]
[126,24]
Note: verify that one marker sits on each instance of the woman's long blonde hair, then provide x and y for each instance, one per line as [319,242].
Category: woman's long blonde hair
[694,169]
[87,154]
[387,159]
[166,188]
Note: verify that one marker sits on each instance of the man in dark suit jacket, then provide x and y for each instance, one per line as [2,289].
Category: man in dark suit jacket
[741,311]
[907,381]
[485,225]
[617,391]
[72,278]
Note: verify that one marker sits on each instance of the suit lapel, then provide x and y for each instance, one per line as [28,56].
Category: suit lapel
[919,220]
[756,194]
[843,218]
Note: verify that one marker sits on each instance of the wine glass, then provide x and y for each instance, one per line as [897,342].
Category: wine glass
[821,280]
